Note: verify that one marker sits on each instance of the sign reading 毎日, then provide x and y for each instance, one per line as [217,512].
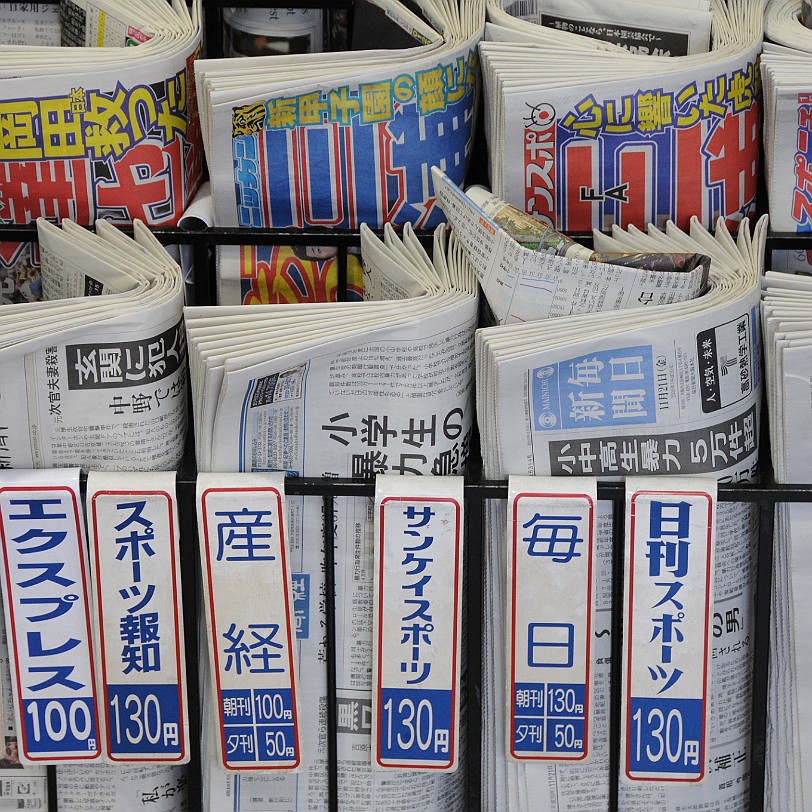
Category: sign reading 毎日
[551,603]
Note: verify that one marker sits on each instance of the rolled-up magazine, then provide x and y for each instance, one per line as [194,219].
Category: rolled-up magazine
[555,276]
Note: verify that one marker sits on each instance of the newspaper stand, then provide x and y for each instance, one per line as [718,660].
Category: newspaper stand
[765,496]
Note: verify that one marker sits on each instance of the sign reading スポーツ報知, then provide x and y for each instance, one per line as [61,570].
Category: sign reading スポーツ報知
[132,523]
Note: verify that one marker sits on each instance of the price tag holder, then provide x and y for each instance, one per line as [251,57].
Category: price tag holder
[135,555]
[417,626]
[45,595]
[250,619]
[670,538]
[551,593]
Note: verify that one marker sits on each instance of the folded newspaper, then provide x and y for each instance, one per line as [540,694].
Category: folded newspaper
[529,271]
[339,390]
[96,375]
[99,132]
[786,315]
[675,390]
[338,139]
[582,133]
[786,67]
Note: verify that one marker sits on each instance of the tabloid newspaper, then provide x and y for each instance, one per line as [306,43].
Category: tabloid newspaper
[674,391]
[339,390]
[107,130]
[338,139]
[96,375]
[583,133]
[786,322]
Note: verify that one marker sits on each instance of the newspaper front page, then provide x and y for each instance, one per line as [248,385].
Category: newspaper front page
[677,393]
[107,133]
[338,391]
[617,137]
[97,381]
[334,140]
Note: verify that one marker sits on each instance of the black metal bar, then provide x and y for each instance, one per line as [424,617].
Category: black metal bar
[474,597]
[761,647]
[330,652]
[616,664]
[191,600]
[50,778]
[342,274]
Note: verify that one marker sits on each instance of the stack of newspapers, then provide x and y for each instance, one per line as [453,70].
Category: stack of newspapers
[339,390]
[672,391]
[786,320]
[333,140]
[590,122]
[786,70]
[96,375]
[105,130]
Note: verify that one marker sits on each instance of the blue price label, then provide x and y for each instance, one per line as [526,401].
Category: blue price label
[549,718]
[144,719]
[415,725]
[258,726]
[54,726]
[665,737]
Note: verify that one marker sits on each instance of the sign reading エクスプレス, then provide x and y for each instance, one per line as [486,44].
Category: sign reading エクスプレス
[45,595]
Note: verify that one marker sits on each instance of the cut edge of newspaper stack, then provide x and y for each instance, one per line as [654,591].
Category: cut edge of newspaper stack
[785,73]
[787,326]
